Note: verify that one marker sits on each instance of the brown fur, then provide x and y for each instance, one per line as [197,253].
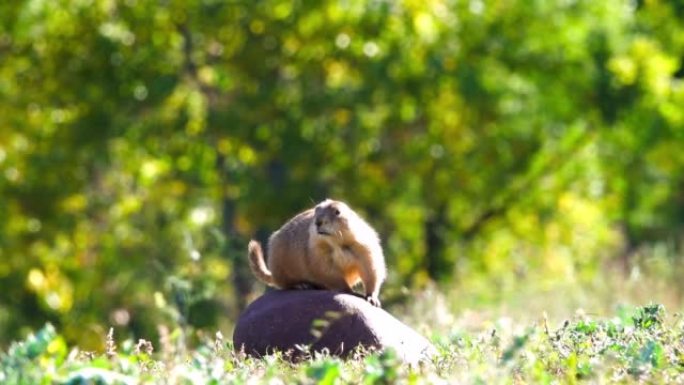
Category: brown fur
[328,246]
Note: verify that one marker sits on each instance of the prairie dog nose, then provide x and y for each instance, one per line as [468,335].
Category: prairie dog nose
[319,222]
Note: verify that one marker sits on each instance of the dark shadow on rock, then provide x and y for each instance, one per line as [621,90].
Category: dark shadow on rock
[338,323]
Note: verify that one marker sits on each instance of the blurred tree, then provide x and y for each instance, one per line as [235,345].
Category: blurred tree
[143,143]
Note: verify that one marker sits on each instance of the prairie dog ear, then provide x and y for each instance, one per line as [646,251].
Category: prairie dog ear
[322,204]
[342,207]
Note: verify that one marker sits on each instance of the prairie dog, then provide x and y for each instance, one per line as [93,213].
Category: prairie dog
[328,246]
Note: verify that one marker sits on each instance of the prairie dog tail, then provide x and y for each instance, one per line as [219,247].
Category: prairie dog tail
[257,264]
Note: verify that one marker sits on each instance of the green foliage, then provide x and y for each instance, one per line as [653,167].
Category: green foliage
[22,362]
[649,317]
[326,372]
[382,368]
[142,144]
[582,350]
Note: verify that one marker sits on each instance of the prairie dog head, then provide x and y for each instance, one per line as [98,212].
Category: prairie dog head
[332,219]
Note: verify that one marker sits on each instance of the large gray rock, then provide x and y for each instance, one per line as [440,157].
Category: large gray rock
[282,320]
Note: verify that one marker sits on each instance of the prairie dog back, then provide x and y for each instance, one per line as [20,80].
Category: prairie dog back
[288,251]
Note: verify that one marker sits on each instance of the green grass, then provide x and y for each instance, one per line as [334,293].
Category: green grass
[634,345]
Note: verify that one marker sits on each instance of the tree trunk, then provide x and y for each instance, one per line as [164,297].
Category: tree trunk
[437,265]
[234,248]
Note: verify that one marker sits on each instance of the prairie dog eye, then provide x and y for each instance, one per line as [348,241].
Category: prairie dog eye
[337,212]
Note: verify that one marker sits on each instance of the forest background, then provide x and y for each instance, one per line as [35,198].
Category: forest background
[498,147]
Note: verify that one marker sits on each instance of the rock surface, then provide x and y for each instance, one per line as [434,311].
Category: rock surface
[281,320]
